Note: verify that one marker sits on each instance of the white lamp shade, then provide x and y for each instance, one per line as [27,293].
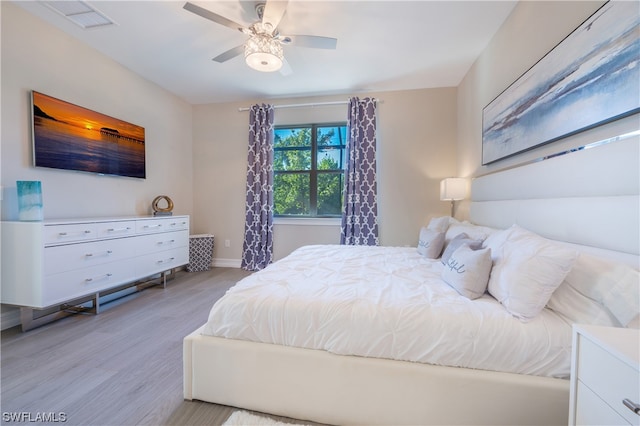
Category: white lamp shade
[453,189]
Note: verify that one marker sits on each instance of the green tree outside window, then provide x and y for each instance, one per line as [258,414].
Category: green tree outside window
[309,166]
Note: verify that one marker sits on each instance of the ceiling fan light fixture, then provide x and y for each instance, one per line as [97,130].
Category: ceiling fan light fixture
[264,53]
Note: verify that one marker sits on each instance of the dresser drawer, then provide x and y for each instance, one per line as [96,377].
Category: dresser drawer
[116,229]
[591,410]
[177,223]
[145,226]
[162,261]
[84,255]
[62,234]
[70,285]
[163,241]
[608,377]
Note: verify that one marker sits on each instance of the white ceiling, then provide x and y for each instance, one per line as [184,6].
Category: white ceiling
[382,45]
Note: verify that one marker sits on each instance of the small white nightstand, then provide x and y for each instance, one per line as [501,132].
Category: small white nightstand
[605,376]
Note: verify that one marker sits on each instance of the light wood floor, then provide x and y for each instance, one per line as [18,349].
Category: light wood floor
[121,367]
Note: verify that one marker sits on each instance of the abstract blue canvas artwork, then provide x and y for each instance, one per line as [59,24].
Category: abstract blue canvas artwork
[590,78]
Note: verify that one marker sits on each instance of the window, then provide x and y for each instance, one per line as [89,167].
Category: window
[309,165]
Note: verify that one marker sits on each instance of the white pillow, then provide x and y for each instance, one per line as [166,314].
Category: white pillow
[440,223]
[578,308]
[527,269]
[496,239]
[613,285]
[475,232]
[468,270]
[456,242]
[430,243]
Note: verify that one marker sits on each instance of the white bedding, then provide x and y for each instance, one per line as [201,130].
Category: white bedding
[386,302]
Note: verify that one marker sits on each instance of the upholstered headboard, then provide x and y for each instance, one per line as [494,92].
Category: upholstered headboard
[588,197]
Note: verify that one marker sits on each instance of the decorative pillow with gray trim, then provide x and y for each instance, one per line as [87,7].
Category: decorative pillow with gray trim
[458,241]
[430,243]
[467,271]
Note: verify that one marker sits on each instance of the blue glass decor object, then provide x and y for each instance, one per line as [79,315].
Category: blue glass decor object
[29,200]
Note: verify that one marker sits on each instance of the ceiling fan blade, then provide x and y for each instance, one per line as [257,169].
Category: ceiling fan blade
[229,54]
[286,68]
[207,14]
[316,42]
[273,13]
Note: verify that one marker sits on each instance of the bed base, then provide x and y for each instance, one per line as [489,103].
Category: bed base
[323,387]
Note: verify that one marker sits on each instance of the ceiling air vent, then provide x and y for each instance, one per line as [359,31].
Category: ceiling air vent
[79,13]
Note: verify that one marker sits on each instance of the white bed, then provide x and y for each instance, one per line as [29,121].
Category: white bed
[389,303]
[331,382]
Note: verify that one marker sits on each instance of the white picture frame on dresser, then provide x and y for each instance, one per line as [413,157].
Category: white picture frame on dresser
[605,376]
[53,262]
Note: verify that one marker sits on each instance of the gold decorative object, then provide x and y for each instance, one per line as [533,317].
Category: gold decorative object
[157,210]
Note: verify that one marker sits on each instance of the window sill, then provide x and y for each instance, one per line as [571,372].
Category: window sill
[307,221]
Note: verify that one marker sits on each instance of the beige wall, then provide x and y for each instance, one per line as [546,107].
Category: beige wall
[416,149]
[527,35]
[37,56]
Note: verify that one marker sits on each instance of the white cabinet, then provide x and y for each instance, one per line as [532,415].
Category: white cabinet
[605,376]
[52,262]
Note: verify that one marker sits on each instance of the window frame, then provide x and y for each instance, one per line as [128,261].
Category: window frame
[313,171]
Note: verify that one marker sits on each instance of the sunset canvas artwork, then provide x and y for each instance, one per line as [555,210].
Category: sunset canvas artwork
[67,136]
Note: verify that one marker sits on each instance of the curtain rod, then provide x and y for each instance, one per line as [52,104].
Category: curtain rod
[307,105]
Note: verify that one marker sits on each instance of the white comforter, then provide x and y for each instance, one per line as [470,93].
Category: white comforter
[386,302]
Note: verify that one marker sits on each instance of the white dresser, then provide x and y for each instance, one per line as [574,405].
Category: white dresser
[52,262]
[605,376]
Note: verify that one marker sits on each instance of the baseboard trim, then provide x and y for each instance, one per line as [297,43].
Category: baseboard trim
[227,263]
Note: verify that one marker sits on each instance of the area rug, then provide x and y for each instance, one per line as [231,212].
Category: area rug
[242,418]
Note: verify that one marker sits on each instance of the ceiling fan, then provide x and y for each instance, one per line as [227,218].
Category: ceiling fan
[263,50]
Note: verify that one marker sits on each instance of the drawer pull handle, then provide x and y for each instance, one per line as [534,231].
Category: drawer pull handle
[631,405]
[91,279]
[64,234]
[118,229]
[166,261]
[166,242]
[154,226]
[108,252]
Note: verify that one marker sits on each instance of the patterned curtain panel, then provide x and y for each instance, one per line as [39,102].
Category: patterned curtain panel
[360,211]
[257,249]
